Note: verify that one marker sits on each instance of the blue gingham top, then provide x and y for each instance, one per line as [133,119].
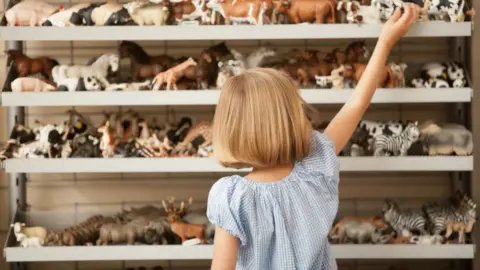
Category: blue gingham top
[282,225]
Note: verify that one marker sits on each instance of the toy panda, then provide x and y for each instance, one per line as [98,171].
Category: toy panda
[80,84]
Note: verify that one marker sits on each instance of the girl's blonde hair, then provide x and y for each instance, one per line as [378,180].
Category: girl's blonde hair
[260,121]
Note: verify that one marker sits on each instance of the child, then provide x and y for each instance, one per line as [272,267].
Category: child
[278,216]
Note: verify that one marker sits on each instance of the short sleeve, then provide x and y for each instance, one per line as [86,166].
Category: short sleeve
[224,211]
[323,159]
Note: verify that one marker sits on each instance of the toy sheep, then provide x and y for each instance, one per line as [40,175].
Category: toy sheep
[447,140]
[27,242]
[147,14]
[31,85]
[19,229]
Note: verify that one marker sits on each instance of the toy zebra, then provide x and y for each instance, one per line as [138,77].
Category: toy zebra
[460,209]
[397,144]
[404,221]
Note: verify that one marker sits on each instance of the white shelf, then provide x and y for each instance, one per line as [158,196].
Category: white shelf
[227,32]
[210,97]
[205,252]
[177,165]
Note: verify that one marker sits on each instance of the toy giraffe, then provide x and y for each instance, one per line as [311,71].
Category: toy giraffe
[172,75]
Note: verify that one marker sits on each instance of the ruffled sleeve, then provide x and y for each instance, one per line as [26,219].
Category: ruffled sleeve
[224,210]
[323,160]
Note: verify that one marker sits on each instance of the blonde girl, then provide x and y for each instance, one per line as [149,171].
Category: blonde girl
[278,216]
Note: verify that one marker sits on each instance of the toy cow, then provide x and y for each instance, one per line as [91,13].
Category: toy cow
[63,18]
[147,14]
[190,10]
[27,84]
[307,11]
[110,13]
[244,11]
[29,13]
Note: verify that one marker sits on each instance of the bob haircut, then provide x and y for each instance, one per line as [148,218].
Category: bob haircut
[260,121]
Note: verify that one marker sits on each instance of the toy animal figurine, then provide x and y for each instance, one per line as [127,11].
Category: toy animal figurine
[398,144]
[355,71]
[79,84]
[143,65]
[307,11]
[367,14]
[29,13]
[359,232]
[256,58]
[84,233]
[244,11]
[206,70]
[128,233]
[398,73]
[171,76]
[228,69]
[451,9]
[107,142]
[447,140]
[99,69]
[376,221]
[202,129]
[27,242]
[426,239]
[129,86]
[110,13]
[400,240]
[20,229]
[84,15]
[30,66]
[31,85]
[451,72]
[62,18]
[436,83]
[461,227]
[147,14]
[182,229]
[190,11]
[403,221]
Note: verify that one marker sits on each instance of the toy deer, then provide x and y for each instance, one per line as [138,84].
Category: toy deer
[171,76]
[461,227]
[180,228]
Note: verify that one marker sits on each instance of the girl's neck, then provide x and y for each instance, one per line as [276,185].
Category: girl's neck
[270,174]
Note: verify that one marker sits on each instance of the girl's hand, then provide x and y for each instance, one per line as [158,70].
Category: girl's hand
[398,25]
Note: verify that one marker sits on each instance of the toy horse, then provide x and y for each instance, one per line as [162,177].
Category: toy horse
[30,66]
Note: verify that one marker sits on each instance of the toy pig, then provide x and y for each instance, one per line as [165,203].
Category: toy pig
[29,13]
[147,14]
[31,85]
[63,18]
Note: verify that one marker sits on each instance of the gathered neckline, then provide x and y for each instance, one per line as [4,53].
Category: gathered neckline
[283,180]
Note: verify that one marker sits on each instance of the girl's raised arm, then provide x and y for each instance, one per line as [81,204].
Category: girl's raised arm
[345,122]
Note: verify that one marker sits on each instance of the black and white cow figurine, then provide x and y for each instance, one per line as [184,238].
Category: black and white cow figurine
[441,9]
[451,73]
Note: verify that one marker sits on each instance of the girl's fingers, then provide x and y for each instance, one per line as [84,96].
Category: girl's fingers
[407,15]
[396,15]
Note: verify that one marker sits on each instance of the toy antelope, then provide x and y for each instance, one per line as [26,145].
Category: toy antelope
[180,228]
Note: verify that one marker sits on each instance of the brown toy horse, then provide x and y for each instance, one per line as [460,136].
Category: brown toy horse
[30,66]
[144,66]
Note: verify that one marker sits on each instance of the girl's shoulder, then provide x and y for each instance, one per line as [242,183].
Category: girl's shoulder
[322,157]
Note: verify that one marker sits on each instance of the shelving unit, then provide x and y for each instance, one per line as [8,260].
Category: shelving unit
[18,168]
[227,32]
[205,165]
[210,97]
[205,252]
